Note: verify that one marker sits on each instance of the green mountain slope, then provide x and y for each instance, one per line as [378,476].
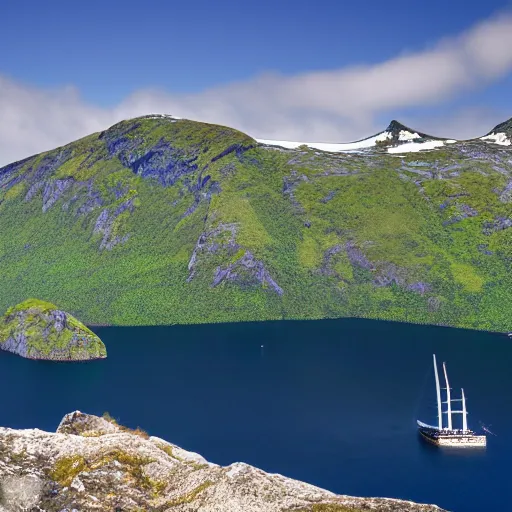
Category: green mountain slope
[158,220]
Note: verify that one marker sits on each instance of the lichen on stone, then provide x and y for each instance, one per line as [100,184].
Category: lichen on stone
[39,330]
[119,471]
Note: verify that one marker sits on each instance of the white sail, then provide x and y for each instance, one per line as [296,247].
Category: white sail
[448,399]
[438,393]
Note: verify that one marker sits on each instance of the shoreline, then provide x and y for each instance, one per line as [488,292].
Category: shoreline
[276,320]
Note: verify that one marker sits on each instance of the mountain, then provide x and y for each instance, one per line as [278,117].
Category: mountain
[396,134]
[38,330]
[400,132]
[501,134]
[93,463]
[505,128]
[160,220]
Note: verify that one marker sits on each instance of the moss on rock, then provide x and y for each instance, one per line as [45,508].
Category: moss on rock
[39,330]
[70,470]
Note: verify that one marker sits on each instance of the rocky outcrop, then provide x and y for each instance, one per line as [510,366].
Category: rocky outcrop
[357,257]
[384,273]
[464,211]
[290,183]
[93,200]
[38,330]
[106,222]
[499,224]
[506,194]
[247,271]
[93,464]
[33,190]
[238,148]
[222,237]
[162,162]
[53,190]
[327,263]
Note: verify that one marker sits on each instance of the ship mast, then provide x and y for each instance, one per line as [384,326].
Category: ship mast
[448,399]
[464,413]
[438,392]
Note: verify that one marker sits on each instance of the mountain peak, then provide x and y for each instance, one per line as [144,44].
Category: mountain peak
[505,127]
[396,128]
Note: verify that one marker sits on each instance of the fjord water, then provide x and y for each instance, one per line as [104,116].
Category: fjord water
[330,402]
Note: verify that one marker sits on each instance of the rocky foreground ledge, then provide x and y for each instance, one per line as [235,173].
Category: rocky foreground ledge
[94,464]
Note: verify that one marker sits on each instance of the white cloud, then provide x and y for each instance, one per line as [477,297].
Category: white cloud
[331,106]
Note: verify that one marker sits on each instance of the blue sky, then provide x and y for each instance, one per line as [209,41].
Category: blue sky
[109,49]
[190,56]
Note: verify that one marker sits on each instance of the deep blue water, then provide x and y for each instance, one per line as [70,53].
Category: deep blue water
[333,403]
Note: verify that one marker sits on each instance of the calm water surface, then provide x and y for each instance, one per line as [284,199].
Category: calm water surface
[333,403]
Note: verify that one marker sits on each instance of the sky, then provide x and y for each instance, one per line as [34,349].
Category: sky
[329,70]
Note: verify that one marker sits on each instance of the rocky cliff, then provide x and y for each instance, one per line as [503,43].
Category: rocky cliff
[93,464]
[38,330]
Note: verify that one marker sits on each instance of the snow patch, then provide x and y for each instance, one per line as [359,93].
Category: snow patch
[405,135]
[412,147]
[381,137]
[325,146]
[450,141]
[160,116]
[497,138]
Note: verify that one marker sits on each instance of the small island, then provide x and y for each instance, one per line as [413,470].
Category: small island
[36,329]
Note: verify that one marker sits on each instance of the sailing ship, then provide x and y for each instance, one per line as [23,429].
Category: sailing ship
[446,435]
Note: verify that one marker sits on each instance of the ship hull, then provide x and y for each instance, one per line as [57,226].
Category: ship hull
[453,439]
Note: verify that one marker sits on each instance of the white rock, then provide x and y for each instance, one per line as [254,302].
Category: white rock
[77,485]
[20,492]
[236,488]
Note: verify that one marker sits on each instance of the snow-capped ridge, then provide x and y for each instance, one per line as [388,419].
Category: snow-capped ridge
[160,116]
[395,134]
[505,127]
[330,147]
[396,138]
[404,133]
[501,134]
